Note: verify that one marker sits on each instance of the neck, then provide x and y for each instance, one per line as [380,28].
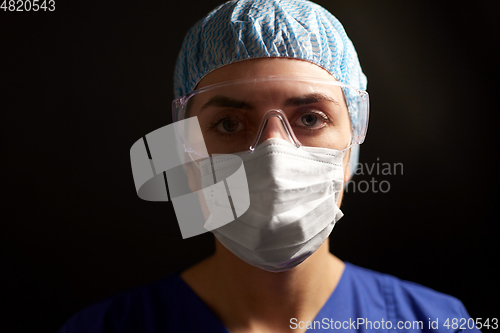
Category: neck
[245,297]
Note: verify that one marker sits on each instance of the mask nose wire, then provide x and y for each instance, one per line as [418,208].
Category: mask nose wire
[274,124]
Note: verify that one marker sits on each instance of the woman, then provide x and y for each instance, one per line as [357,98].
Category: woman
[275,86]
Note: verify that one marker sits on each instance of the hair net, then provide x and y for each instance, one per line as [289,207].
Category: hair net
[249,29]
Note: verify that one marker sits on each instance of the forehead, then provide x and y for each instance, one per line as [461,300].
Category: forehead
[265,93]
[253,68]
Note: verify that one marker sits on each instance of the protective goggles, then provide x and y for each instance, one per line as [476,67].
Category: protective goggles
[236,116]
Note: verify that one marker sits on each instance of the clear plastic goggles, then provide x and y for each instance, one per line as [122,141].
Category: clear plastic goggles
[236,116]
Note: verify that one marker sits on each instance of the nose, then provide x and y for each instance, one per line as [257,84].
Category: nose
[275,125]
[273,128]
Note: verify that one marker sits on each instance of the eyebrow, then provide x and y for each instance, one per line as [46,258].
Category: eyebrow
[310,99]
[227,102]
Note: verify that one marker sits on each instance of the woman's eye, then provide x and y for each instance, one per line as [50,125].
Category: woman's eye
[229,125]
[311,121]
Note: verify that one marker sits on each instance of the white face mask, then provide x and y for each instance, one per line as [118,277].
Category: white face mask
[293,196]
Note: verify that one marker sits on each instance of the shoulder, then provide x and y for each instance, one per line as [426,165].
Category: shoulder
[406,301]
[129,310]
[385,285]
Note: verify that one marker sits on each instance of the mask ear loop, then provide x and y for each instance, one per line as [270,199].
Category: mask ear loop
[344,151]
[286,126]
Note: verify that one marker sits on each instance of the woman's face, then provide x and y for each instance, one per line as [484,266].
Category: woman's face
[230,117]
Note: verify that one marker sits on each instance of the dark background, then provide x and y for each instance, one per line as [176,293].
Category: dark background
[80,85]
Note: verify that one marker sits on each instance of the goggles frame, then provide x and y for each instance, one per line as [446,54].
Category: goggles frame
[361,109]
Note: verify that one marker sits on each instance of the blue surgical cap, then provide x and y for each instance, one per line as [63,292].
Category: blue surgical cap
[247,29]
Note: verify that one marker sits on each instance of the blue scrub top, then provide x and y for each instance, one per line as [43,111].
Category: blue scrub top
[363,301]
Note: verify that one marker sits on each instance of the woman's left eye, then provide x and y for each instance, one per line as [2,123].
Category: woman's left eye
[311,121]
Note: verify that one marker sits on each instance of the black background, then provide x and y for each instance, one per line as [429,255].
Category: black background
[80,85]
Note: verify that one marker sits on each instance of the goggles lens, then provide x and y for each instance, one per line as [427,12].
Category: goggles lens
[236,116]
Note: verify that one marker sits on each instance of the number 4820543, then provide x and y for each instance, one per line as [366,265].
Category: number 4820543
[28,5]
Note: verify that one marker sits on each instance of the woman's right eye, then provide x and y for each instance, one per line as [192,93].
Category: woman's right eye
[229,125]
